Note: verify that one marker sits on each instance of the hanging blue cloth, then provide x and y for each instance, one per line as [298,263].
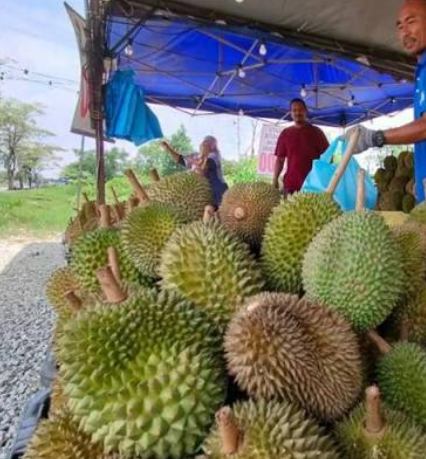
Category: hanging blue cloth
[127,114]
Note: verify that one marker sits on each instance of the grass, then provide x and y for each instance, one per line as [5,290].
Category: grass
[36,213]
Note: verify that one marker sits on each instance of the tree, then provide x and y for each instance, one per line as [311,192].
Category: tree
[153,156]
[116,160]
[22,143]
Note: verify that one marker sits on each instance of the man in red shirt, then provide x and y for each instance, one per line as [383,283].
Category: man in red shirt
[299,145]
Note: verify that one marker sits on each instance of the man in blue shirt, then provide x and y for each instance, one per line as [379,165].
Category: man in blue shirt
[411,26]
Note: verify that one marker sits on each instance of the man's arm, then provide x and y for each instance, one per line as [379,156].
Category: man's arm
[279,165]
[409,133]
[177,157]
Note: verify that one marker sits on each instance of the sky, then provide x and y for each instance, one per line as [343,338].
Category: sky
[36,35]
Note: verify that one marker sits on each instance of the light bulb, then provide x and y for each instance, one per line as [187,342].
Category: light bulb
[239,1]
[128,50]
[241,72]
[263,50]
[303,92]
[241,112]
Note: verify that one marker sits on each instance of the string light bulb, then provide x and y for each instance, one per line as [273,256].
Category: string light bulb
[303,92]
[239,1]
[241,72]
[263,50]
[128,50]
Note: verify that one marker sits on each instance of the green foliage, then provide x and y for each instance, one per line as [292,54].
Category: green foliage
[153,155]
[242,171]
[116,160]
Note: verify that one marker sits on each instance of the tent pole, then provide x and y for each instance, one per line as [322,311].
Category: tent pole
[96,73]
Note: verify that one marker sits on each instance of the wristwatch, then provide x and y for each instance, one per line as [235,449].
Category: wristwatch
[379,139]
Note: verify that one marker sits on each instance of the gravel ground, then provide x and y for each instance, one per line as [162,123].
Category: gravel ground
[25,326]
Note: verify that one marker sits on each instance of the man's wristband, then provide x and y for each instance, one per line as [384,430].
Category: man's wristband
[378,139]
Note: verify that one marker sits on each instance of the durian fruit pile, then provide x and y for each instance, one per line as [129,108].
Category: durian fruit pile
[267,329]
[395,183]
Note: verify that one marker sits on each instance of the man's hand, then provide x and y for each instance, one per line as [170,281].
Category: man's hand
[165,144]
[366,138]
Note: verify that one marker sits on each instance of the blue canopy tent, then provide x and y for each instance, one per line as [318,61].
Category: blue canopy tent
[253,57]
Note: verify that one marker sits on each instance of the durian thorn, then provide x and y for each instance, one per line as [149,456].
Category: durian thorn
[209,212]
[228,431]
[360,191]
[155,175]
[374,422]
[114,263]
[110,286]
[240,213]
[73,300]
[404,330]
[86,198]
[353,141]
[139,191]
[114,194]
[383,346]
[105,217]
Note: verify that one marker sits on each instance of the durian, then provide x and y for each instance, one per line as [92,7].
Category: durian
[393,218]
[207,265]
[288,233]
[398,184]
[373,432]
[390,163]
[401,376]
[354,266]
[145,232]
[90,253]
[144,376]
[60,438]
[418,214]
[267,430]
[246,208]
[408,203]
[409,160]
[58,400]
[61,281]
[188,191]
[284,347]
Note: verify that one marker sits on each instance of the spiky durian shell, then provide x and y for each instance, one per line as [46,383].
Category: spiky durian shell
[145,232]
[188,191]
[390,163]
[408,203]
[354,266]
[290,229]
[414,314]
[418,214]
[286,347]
[58,400]
[90,254]
[60,282]
[272,430]
[398,184]
[411,238]
[401,437]
[393,218]
[401,375]
[257,201]
[145,377]
[60,438]
[210,267]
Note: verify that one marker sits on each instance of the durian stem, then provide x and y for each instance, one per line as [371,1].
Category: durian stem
[155,175]
[360,191]
[118,212]
[113,262]
[73,300]
[105,218]
[228,431]
[110,286]
[353,141]
[114,194]
[208,213]
[381,344]
[86,198]
[131,204]
[405,330]
[139,191]
[239,213]
[374,422]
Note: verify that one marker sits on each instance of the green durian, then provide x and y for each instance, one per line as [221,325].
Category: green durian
[145,376]
[375,432]
[187,191]
[401,375]
[272,430]
[390,163]
[61,281]
[90,253]
[288,233]
[280,346]
[418,214]
[207,265]
[246,208]
[145,231]
[59,437]
[354,266]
